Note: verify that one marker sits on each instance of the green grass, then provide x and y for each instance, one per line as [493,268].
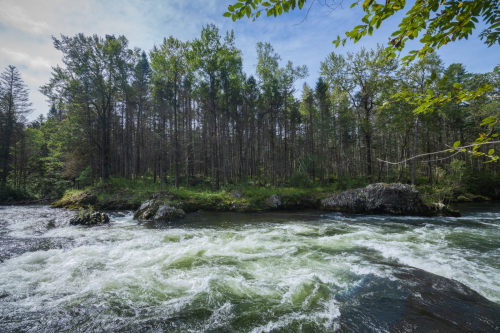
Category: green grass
[200,195]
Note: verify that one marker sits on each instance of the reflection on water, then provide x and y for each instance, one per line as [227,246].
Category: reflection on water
[275,272]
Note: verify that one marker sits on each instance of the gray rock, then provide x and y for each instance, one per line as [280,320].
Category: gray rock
[165,213]
[397,199]
[273,201]
[158,210]
[236,194]
[90,219]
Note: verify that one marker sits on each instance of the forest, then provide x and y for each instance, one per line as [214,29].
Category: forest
[185,115]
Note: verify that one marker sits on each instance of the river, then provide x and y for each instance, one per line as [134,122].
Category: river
[307,271]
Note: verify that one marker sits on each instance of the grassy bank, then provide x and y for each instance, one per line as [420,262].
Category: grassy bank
[123,194]
[119,193]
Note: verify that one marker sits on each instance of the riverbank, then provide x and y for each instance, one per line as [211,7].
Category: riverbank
[121,194]
[124,195]
[396,199]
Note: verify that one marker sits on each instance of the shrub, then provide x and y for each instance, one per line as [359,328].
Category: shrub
[8,193]
[85,177]
[300,179]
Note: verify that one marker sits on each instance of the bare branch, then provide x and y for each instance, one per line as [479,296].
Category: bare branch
[439,152]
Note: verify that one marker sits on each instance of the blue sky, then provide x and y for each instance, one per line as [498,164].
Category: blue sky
[26,27]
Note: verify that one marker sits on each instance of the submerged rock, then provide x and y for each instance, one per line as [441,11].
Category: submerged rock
[397,199]
[413,300]
[90,219]
[158,210]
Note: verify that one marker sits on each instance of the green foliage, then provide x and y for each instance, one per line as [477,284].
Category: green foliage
[300,179]
[9,193]
[82,211]
[252,10]
[456,174]
[85,177]
[440,22]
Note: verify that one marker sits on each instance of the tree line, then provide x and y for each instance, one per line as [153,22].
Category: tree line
[187,112]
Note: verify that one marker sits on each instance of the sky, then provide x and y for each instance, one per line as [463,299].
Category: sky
[27,27]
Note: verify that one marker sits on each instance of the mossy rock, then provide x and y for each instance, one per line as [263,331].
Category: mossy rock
[158,210]
[394,199]
[90,219]
[76,201]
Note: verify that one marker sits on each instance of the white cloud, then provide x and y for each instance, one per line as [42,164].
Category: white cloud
[21,57]
[17,17]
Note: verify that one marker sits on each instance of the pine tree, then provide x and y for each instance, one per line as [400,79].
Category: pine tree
[14,106]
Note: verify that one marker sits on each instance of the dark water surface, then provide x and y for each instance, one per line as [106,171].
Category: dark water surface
[274,272]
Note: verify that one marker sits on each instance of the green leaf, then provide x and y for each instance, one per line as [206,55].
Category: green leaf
[456,144]
[491,152]
[456,85]
[227,14]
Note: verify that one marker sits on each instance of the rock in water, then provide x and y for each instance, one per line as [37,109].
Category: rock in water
[90,219]
[158,210]
[397,199]
[165,213]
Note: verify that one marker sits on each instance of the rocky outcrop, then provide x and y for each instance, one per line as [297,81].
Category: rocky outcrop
[158,210]
[273,201]
[80,200]
[236,194]
[90,219]
[396,199]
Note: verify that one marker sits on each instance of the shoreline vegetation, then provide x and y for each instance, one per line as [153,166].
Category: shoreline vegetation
[122,194]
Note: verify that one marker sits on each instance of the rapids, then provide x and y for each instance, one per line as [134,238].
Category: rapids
[306,271]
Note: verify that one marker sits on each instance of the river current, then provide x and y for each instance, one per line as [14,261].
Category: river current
[268,272]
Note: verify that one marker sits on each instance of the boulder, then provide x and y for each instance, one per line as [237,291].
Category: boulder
[236,194]
[396,199]
[90,219]
[158,210]
[166,213]
[273,201]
